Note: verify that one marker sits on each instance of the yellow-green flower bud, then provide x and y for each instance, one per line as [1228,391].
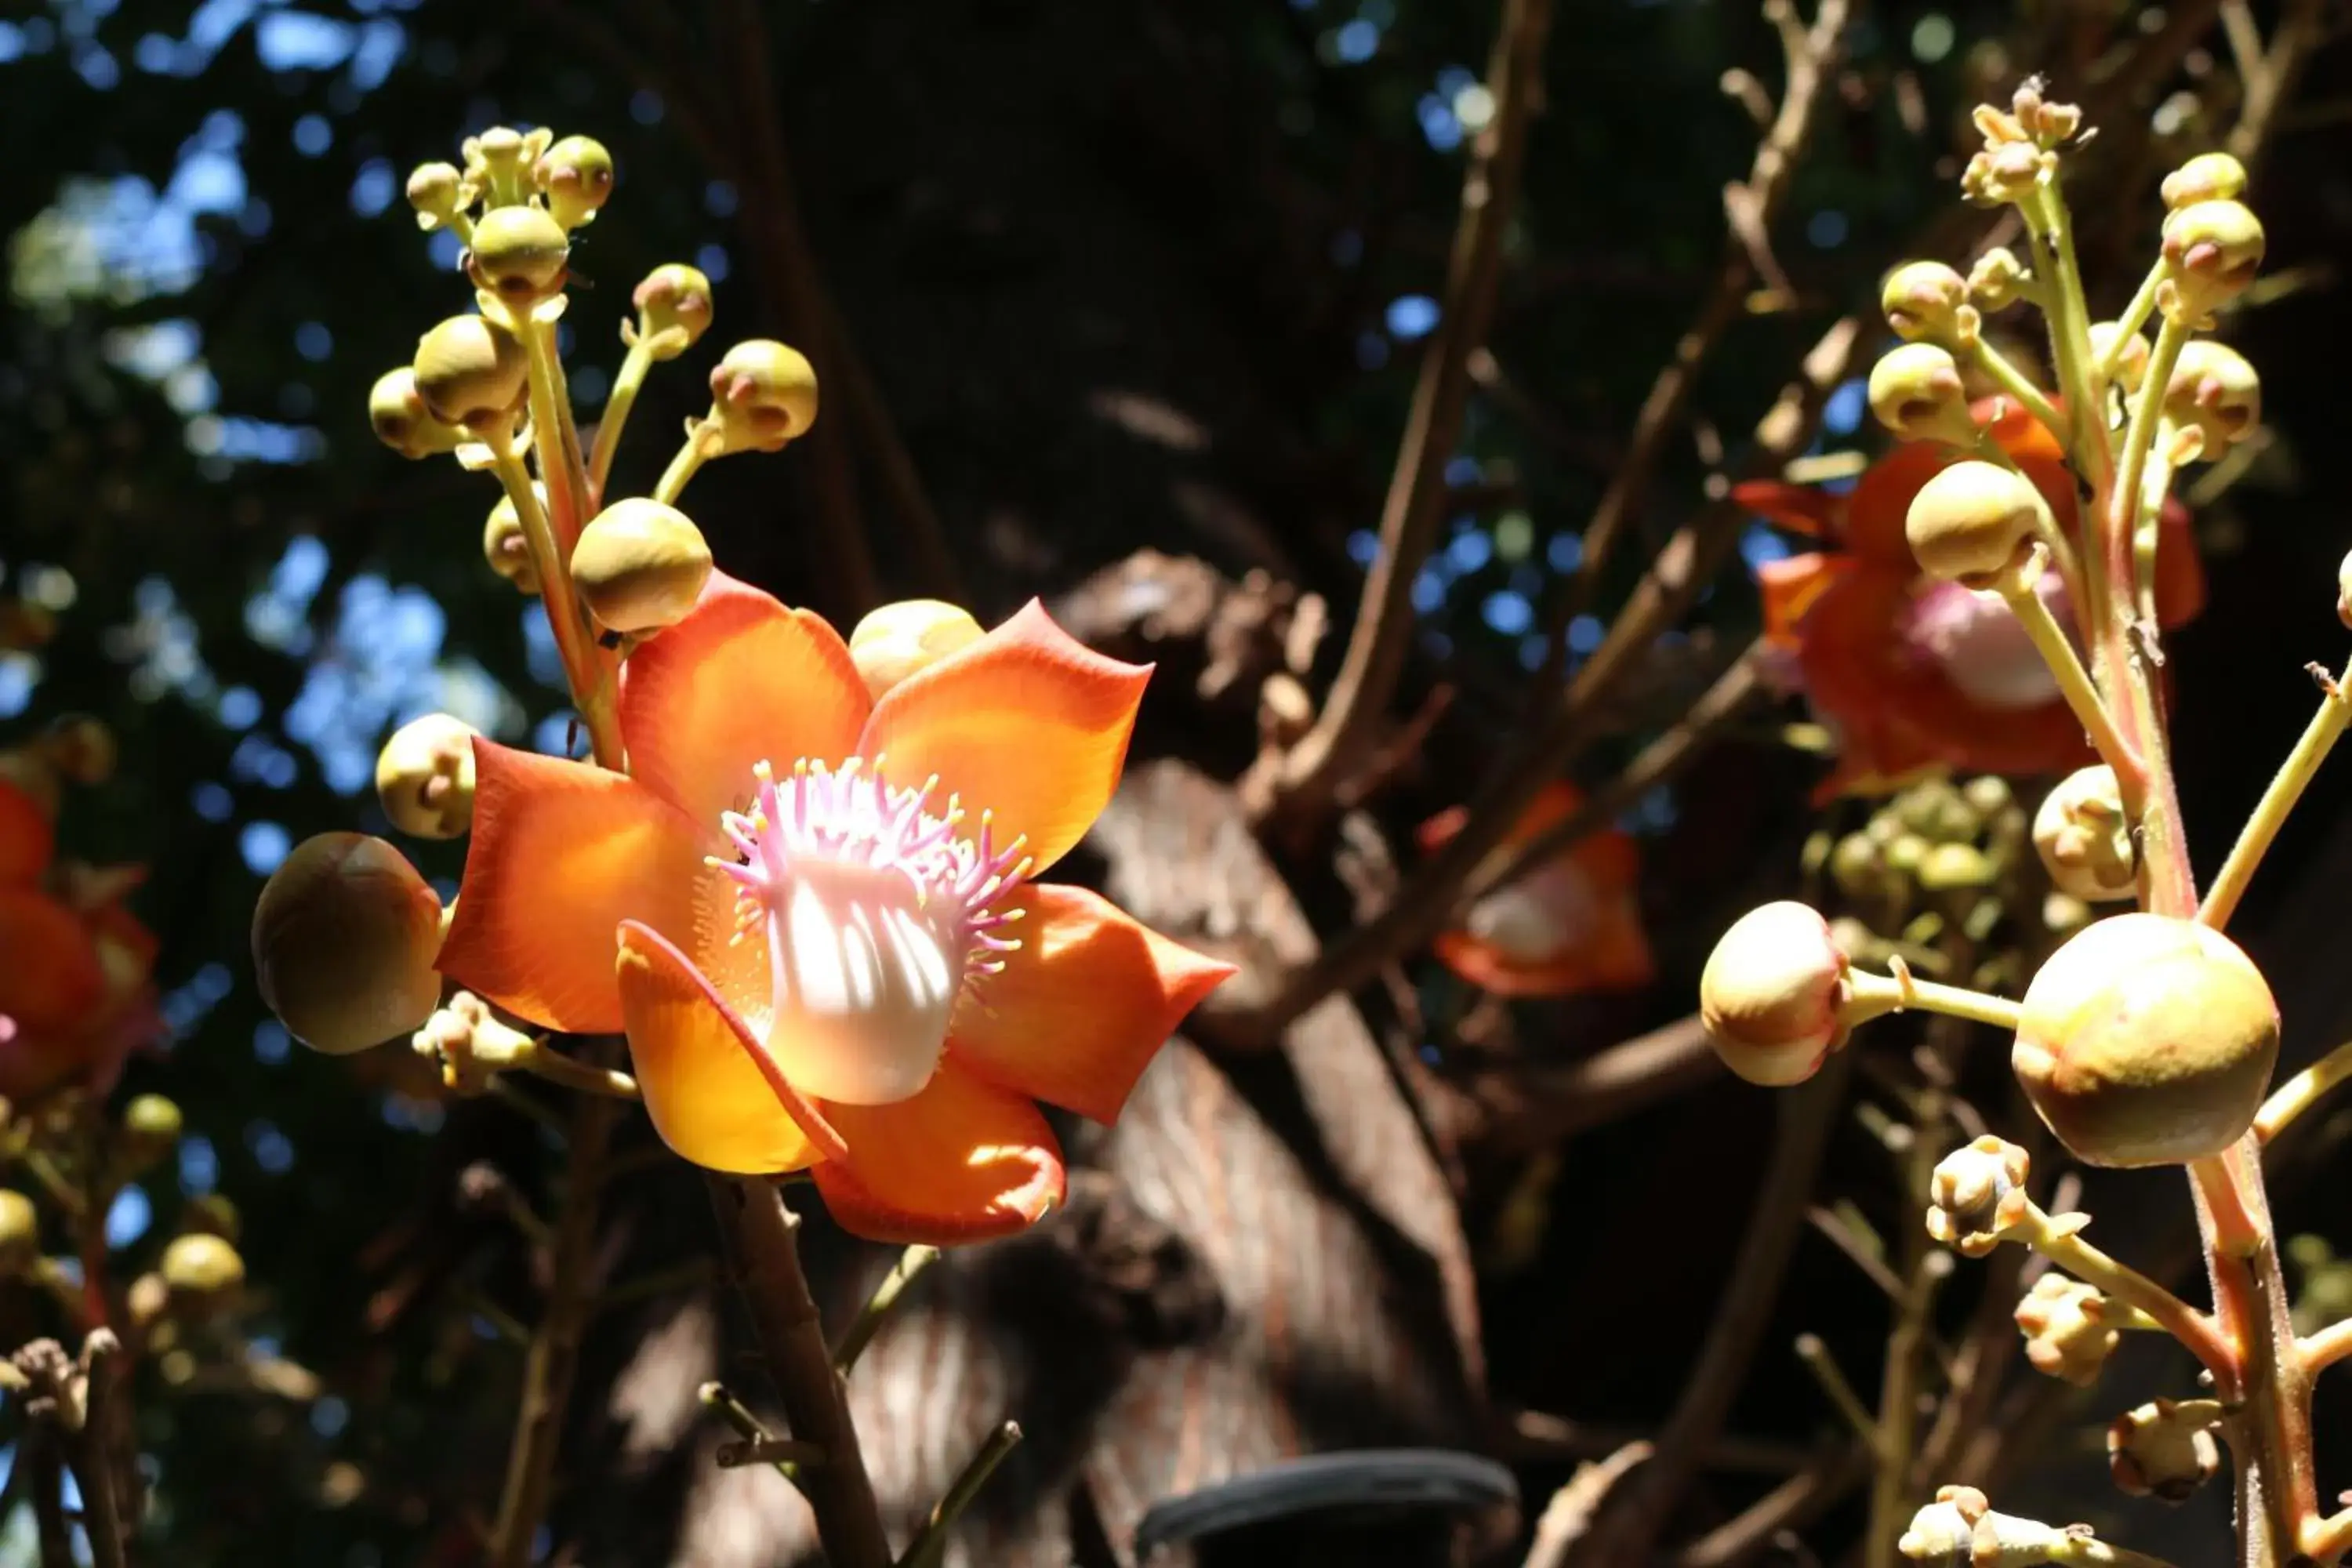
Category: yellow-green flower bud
[344,937]
[401,420]
[2084,837]
[1972,521]
[1976,1195]
[640,565]
[674,308]
[1960,1527]
[2164,1449]
[1906,852]
[1923,300]
[212,1214]
[2207,178]
[576,175]
[424,776]
[1857,866]
[507,548]
[496,161]
[1916,392]
[151,1130]
[898,640]
[2211,251]
[471,371]
[1997,279]
[1952,868]
[1773,993]
[2069,1329]
[20,1234]
[437,191]
[2131,364]
[762,395]
[2215,392]
[2147,1040]
[2004,174]
[519,253]
[200,1270]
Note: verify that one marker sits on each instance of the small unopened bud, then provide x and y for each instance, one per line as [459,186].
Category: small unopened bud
[212,1214]
[1916,392]
[1973,521]
[519,253]
[424,776]
[576,175]
[402,422]
[2131,364]
[2207,178]
[496,158]
[898,640]
[1858,866]
[762,395]
[344,937]
[438,193]
[2004,174]
[1960,1530]
[1976,1195]
[1923,300]
[471,371]
[20,1234]
[674,308]
[640,565]
[2147,1040]
[200,1270]
[505,546]
[1772,995]
[2211,251]
[1997,279]
[1956,867]
[2164,1449]
[151,1130]
[2068,1328]
[2084,837]
[2215,391]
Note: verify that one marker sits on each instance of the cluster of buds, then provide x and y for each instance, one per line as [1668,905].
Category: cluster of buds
[1976,1195]
[2019,149]
[2212,244]
[1960,1530]
[2069,1328]
[2164,1448]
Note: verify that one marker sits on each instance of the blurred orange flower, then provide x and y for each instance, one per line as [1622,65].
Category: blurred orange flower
[818,966]
[74,965]
[1915,675]
[1572,924]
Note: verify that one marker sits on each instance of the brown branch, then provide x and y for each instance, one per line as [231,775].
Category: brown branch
[92,1453]
[761,1238]
[2268,75]
[1567,1517]
[1526,1112]
[1799,1499]
[1301,786]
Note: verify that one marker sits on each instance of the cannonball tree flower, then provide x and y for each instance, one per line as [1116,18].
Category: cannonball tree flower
[1913,675]
[815,917]
[1571,925]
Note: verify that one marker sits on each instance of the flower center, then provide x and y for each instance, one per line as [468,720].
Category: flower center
[874,911]
[1539,916]
[1978,646]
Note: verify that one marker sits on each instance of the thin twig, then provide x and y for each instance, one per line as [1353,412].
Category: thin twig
[42,1446]
[770,1451]
[863,1327]
[1569,1515]
[930,1545]
[1804,1496]
[92,1452]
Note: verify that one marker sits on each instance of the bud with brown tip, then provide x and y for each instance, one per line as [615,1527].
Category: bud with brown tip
[2207,178]
[576,176]
[2212,252]
[2130,362]
[344,937]
[437,191]
[763,395]
[507,548]
[2085,838]
[2164,1448]
[898,640]
[674,308]
[519,253]
[401,421]
[424,776]
[470,371]
[1976,1195]
[1773,993]
[2147,1040]
[2068,1328]
[640,565]
[1923,302]
[1916,393]
[1973,522]
[1997,280]
[2215,391]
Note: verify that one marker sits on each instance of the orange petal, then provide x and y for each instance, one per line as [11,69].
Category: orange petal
[1609,858]
[1788,588]
[1800,509]
[742,680]
[1027,723]
[50,977]
[1881,499]
[711,1092]
[27,840]
[1616,957]
[562,854]
[1082,1007]
[963,1160]
[2179,571]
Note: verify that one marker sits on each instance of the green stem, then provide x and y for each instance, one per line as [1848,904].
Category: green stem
[2082,695]
[557,1068]
[584,669]
[2017,385]
[2060,1243]
[905,1272]
[1869,996]
[1839,1393]
[2301,1092]
[929,1547]
[2129,323]
[625,386]
[697,451]
[2286,787]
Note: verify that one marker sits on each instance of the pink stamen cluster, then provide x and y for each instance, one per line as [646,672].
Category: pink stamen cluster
[851,816]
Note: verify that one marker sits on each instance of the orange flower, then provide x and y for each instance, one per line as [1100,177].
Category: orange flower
[1573,923]
[1914,675]
[820,966]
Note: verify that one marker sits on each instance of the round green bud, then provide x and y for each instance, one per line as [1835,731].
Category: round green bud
[424,776]
[344,937]
[2211,251]
[471,371]
[1857,866]
[1772,995]
[2207,178]
[152,1120]
[1906,852]
[898,641]
[2131,365]
[1916,393]
[437,191]
[762,395]
[674,308]
[640,565]
[519,253]
[20,1233]
[401,420]
[1997,279]
[2214,390]
[1950,868]
[495,159]
[1972,521]
[576,176]
[212,1214]
[2147,1040]
[201,1269]
[1923,300]
[504,545]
